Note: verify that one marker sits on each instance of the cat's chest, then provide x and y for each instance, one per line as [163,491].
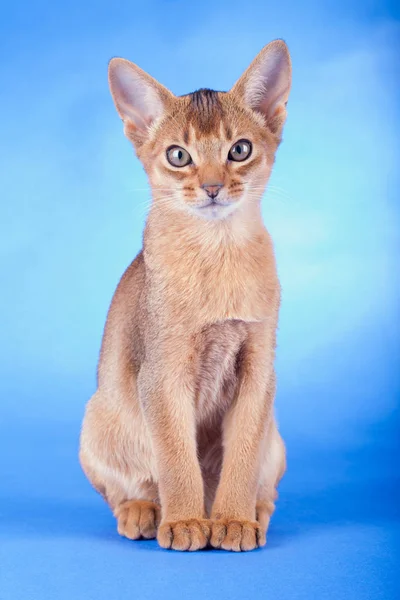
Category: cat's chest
[232,293]
[217,348]
[223,287]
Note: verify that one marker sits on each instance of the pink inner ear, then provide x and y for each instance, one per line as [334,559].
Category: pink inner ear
[273,97]
[137,99]
[266,83]
[135,122]
[278,109]
[273,108]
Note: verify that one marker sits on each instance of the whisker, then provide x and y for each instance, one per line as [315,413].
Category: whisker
[167,204]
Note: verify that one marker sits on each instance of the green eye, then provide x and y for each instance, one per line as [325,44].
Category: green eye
[178,157]
[240,151]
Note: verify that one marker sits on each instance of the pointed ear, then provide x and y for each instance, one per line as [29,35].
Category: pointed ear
[265,85]
[139,99]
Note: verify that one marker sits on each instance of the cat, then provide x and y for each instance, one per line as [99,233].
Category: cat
[180,437]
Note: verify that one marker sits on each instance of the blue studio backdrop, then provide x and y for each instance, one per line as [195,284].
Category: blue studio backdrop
[73,203]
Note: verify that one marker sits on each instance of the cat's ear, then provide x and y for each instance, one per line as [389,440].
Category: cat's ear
[139,99]
[265,85]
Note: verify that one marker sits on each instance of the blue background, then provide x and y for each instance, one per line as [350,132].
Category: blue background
[73,202]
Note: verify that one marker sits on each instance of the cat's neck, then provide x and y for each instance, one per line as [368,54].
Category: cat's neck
[182,230]
[219,269]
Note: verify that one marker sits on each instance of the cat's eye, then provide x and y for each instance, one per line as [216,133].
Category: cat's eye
[178,157]
[240,150]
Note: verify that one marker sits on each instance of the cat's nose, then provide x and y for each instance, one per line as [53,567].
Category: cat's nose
[212,189]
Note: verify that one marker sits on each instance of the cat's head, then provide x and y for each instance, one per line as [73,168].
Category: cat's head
[207,152]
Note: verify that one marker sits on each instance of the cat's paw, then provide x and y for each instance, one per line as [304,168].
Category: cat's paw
[191,534]
[138,519]
[237,535]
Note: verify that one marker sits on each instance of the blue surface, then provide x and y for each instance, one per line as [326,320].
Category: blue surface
[73,200]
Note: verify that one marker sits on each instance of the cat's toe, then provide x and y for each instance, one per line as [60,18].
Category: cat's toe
[138,519]
[191,534]
[237,535]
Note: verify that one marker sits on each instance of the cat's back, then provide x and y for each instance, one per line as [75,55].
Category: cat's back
[123,330]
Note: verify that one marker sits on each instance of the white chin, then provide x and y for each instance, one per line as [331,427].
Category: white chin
[214,212]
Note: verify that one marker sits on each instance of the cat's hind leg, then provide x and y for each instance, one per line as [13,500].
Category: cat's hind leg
[273,467]
[115,454]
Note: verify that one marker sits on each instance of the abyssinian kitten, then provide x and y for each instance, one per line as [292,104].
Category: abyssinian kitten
[180,437]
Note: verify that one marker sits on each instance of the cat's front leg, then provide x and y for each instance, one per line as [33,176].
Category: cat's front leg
[234,524]
[167,397]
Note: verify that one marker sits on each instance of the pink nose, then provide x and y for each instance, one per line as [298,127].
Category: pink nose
[212,189]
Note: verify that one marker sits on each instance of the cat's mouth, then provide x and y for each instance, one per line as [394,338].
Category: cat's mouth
[216,202]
